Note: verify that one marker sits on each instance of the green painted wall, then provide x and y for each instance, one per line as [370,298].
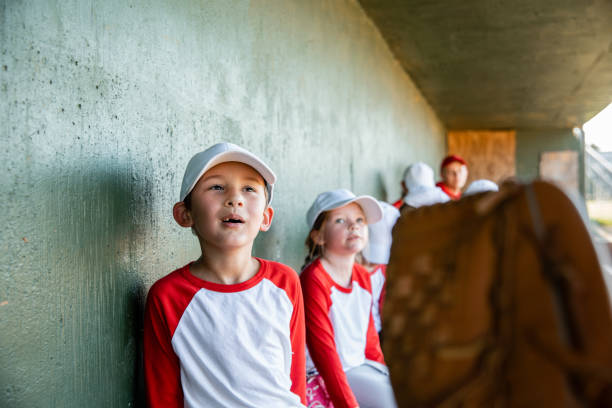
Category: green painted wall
[101,105]
[530,144]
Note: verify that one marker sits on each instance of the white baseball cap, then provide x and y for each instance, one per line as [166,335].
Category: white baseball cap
[418,174]
[379,244]
[422,195]
[221,153]
[330,200]
[480,186]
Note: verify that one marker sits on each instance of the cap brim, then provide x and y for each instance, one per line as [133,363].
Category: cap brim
[242,157]
[245,158]
[369,205]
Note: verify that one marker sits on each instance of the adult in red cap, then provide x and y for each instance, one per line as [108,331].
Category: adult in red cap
[454,175]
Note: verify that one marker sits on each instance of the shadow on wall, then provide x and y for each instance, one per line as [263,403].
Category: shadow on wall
[96,224]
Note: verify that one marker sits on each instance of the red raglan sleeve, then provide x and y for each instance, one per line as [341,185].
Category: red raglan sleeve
[298,343]
[321,343]
[161,365]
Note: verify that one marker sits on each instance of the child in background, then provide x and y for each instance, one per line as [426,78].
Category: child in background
[480,186]
[420,188]
[226,330]
[454,172]
[376,256]
[340,332]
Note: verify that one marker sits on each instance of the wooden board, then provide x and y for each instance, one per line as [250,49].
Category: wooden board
[490,153]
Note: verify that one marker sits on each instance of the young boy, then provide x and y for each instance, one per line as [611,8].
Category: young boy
[454,173]
[226,330]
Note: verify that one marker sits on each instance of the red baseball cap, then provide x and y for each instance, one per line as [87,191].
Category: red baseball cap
[452,158]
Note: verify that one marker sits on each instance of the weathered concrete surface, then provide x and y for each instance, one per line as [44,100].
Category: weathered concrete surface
[490,64]
[530,144]
[101,105]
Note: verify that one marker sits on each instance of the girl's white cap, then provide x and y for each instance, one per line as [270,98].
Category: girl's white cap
[221,153]
[379,243]
[339,198]
[480,186]
[418,174]
[422,195]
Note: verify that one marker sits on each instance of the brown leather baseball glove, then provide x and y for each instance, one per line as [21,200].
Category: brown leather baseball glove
[497,300]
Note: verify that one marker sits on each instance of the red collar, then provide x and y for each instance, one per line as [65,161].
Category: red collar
[448,192]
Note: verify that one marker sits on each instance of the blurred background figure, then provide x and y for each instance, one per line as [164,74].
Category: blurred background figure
[480,186]
[454,174]
[420,188]
[376,256]
[416,174]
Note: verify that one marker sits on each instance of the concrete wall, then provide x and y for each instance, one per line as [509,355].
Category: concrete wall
[102,103]
[530,144]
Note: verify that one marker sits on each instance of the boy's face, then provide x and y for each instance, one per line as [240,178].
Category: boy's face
[455,175]
[345,230]
[228,206]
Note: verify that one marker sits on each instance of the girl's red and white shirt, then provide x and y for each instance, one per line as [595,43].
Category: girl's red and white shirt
[209,344]
[378,277]
[340,330]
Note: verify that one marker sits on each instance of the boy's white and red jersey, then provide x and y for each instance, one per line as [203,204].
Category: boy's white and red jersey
[209,344]
[378,276]
[340,330]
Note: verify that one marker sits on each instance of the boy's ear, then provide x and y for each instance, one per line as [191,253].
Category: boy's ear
[267,219]
[181,214]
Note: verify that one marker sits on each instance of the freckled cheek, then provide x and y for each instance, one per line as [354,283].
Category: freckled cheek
[332,234]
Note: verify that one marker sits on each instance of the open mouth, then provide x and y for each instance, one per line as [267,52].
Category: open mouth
[233,220]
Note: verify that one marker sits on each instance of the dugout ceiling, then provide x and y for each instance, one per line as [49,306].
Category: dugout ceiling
[486,64]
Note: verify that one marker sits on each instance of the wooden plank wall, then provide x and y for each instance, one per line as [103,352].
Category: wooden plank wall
[490,153]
